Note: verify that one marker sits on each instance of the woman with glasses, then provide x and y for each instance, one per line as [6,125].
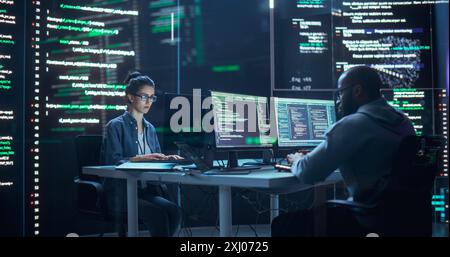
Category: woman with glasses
[130,137]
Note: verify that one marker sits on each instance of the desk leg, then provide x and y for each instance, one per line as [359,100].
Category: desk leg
[179,195]
[132,207]
[225,218]
[274,206]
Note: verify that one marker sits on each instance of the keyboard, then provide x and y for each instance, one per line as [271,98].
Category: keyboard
[256,163]
[241,170]
[227,172]
[146,166]
[179,162]
[282,168]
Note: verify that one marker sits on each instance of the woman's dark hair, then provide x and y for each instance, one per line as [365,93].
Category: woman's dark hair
[136,81]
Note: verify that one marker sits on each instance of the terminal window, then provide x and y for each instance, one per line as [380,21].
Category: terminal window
[303,122]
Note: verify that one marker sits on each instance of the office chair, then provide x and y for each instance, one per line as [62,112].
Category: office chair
[91,196]
[92,201]
[404,208]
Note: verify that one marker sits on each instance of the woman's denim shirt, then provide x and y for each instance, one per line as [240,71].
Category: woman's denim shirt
[120,143]
[121,139]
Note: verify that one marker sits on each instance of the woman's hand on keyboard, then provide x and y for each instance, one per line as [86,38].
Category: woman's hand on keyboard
[174,157]
[149,157]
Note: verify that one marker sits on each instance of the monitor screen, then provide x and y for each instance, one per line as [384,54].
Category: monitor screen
[240,121]
[187,131]
[303,122]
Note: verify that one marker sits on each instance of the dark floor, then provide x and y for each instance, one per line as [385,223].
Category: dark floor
[439,230]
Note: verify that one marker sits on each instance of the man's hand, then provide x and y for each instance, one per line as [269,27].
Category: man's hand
[149,157]
[291,158]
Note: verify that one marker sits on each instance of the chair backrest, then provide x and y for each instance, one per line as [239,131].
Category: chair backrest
[416,164]
[405,206]
[88,148]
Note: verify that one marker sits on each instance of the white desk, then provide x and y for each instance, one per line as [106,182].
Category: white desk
[266,179]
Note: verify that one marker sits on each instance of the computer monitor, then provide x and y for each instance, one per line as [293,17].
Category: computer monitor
[168,137]
[302,123]
[240,123]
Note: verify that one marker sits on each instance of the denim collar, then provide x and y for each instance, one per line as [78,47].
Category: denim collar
[129,119]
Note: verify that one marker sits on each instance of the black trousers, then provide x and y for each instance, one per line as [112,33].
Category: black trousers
[159,215]
[340,222]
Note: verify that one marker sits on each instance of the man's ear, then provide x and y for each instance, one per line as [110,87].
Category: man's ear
[358,91]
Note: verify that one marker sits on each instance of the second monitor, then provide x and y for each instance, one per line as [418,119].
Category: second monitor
[303,122]
[240,121]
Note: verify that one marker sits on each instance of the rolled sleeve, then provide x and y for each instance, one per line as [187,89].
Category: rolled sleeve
[294,168]
[112,148]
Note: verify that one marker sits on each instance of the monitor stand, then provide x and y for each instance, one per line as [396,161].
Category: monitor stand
[232,167]
[267,159]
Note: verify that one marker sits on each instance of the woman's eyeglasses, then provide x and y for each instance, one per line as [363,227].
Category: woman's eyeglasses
[146,98]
